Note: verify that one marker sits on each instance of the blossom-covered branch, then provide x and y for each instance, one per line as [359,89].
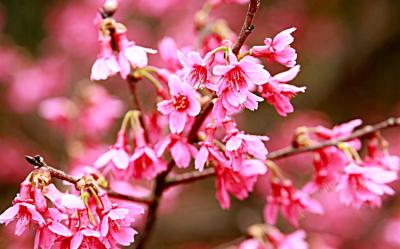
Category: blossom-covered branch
[290,150]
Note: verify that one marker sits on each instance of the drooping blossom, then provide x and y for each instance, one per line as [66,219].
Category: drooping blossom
[144,161]
[239,182]
[208,150]
[115,224]
[117,157]
[236,80]
[278,49]
[330,161]
[278,93]
[365,185]
[237,142]
[181,151]
[197,69]
[274,239]
[117,53]
[291,202]
[182,105]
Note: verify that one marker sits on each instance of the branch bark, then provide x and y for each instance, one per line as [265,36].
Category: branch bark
[248,26]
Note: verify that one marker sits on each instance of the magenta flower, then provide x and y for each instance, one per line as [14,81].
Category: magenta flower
[365,185]
[278,49]
[197,69]
[238,182]
[181,150]
[117,157]
[144,162]
[278,94]
[182,104]
[290,201]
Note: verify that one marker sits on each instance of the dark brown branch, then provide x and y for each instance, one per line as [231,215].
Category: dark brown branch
[117,195]
[290,150]
[248,26]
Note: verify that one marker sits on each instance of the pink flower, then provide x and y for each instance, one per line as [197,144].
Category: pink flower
[130,55]
[126,56]
[237,182]
[208,150]
[197,69]
[278,94]
[181,151]
[278,49]
[117,156]
[182,104]
[106,64]
[365,185]
[24,213]
[53,230]
[144,162]
[290,201]
[236,79]
[115,225]
[239,142]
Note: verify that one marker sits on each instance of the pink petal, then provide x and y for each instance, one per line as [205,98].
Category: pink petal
[201,158]
[233,143]
[177,121]
[175,84]
[121,159]
[9,214]
[104,159]
[60,229]
[283,39]
[288,75]
[125,236]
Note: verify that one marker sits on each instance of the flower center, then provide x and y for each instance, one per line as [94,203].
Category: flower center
[198,75]
[180,102]
[236,79]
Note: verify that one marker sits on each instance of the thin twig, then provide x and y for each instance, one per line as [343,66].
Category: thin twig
[248,26]
[290,150]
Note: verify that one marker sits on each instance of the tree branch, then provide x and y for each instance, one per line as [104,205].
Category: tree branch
[248,26]
[38,162]
[290,150]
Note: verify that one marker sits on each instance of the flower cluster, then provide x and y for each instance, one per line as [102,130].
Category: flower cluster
[191,129]
[85,219]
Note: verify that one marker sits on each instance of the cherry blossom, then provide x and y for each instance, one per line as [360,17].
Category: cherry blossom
[278,93]
[290,201]
[182,105]
[197,69]
[117,157]
[238,182]
[278,49]
[365,185]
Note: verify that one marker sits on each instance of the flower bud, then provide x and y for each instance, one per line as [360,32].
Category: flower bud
[109,7]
